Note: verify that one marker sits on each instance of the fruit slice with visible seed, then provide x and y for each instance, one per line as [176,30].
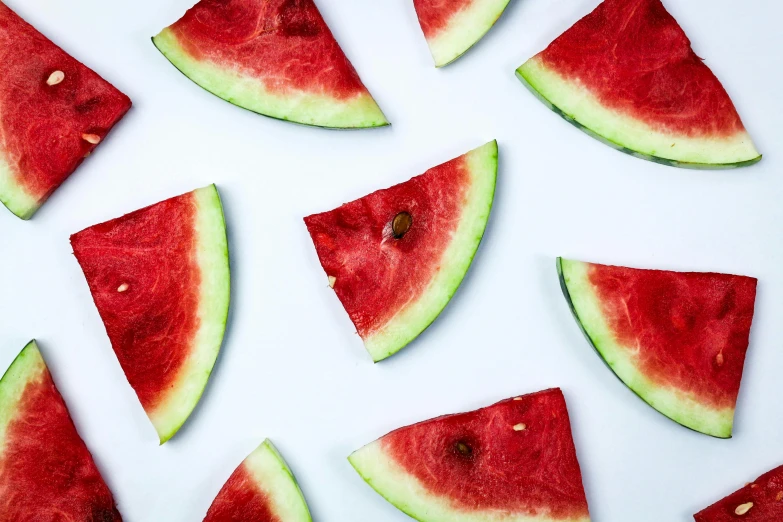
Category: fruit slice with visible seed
[758,501]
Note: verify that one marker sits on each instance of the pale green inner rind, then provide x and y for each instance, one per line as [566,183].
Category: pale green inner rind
[275,479]
[244,90]
[679,405]
[578,105]
[464,29]
[12,192]
[214,291]
[455,262]
[406,493]
[27,367]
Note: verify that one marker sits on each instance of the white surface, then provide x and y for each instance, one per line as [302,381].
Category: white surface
[293,370]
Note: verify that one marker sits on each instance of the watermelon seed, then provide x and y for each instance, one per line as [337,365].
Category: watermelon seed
[123,287]
[779,496]
[463,449]
[519,427]
[401,224]
[55,78]
[91,138]
[719,359]
[517,398]
[743,508]
[332,281]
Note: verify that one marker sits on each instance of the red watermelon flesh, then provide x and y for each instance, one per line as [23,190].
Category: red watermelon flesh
[149,283]
[759,501]
[240,499]
[512,460]
[53,113]
[46,471]
[434,15]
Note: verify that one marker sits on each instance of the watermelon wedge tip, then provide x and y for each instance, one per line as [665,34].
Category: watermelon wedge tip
[758,501]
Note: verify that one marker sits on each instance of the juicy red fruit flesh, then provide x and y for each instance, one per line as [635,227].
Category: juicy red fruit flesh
[43,126]
[284,42]
[765,494]
[241,499]
[434,15]
[376,273]
[692,328]
[481,462]
[634,56]
[46,471]
[150,319]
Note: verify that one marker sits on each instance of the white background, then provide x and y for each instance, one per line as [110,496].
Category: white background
[293,369]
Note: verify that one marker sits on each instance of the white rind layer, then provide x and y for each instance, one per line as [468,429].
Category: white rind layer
[28,367]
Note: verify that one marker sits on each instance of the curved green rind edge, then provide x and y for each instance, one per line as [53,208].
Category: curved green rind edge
[275,478]
[677,406]
[464,30]
[531,77]
[248,93]
[26,367]
[13,195]
[405,492]
[455,262]
[215,295]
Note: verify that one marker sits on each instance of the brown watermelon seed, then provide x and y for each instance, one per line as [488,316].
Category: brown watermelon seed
[719,359]
[743,508]
[91,138]
[779,496]
[519,427]
[401,224]
[332,281]
[55,78]
[463,449]
[123,287]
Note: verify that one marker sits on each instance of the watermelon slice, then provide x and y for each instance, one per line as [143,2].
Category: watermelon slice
[396,257]
[514,461]
[46,471]
[160,279]
[677,339]
[53,112]
[273,57]
[451,27]
[261,489]
[626,74]
[759,501]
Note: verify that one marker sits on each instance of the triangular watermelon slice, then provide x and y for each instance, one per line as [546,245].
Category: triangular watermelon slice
[759,501]
[514,461]
[160,279]
[397,256]
[273,57]
[53,112]
[451,27]
[261,489]
[626,74]
[46,471]
[677,339]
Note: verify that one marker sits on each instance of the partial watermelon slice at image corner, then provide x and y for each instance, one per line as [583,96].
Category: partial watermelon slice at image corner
[759,501]
[46,471]
[53,112]
[261,489]
[273,57]
[513,461]
[677,339]
[626,74]
[160,279]
[451,27]
[397,256]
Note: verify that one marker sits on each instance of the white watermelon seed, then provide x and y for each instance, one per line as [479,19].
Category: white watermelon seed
[123,287]
[55,78]
[743,508]
[91,138]
[517,398]
[719,359]
[332,281]
[519,427]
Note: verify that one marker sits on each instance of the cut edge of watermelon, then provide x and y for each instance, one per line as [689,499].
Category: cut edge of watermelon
[215,292]
[405,492]
[581,108]
[247,92]
[464,30]
[26,367]
[678,405]
[456,259]
[275,478]
[14,196]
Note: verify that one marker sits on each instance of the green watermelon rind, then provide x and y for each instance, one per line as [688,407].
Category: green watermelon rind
[464,30]
[455,262]
[405,492]
[247,92]
[27,366]
[215,294]
[678,405]
[13,195]
[277,481]
[578,106]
